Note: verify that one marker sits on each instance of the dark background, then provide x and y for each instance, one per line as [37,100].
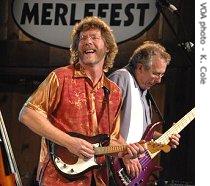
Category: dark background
[24,63]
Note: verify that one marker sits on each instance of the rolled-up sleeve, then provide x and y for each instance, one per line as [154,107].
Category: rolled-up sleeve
[46,96]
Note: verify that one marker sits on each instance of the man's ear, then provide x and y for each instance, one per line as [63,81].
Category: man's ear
[139,67]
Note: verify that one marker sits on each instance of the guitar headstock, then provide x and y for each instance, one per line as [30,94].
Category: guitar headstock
[154,147]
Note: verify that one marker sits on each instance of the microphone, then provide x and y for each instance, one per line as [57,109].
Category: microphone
[168,5]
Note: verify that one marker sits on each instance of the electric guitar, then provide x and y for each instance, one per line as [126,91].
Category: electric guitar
[148,166]
[72,167]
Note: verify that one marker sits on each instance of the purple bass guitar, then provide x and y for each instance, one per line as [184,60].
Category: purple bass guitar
[148,165]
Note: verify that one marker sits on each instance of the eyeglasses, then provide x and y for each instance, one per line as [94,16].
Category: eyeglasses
[93,38]
[159,75]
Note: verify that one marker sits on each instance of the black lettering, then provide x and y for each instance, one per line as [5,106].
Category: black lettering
[128,13]
[46,13]
[202,56]
[34,13]
[72,17]
[101,7]
[87,8]
[142,7]
[60,12]
[115,14]
[203,10]
[203,69]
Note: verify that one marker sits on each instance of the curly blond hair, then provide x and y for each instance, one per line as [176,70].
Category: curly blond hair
[106,32]
[145,52]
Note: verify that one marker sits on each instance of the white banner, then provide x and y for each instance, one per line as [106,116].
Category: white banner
[51,21]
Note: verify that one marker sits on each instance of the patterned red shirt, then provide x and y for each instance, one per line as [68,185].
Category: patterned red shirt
[69,100]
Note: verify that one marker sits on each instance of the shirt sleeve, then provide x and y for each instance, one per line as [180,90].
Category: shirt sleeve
[120,77]
[46,97]
[116,138]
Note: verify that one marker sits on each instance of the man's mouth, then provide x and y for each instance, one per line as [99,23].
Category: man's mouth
[90,51]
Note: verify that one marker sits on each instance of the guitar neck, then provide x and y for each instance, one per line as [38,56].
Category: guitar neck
[109,149]
[112,149]
[177,127]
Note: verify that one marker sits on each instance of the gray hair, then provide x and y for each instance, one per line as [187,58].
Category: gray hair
[145,52]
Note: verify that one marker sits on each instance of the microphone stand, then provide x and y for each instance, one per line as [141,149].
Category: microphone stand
[183,47]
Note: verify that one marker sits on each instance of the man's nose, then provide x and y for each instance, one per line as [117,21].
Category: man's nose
[88,40]
[158,79]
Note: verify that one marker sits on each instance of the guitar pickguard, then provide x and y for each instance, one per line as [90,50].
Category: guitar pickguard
[71,166]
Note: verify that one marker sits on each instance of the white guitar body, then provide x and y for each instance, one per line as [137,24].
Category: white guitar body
[80,166]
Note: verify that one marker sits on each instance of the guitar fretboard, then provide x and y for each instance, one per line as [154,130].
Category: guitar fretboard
[109,149]
[175,129]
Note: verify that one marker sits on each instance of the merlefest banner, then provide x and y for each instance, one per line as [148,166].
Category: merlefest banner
[51,21]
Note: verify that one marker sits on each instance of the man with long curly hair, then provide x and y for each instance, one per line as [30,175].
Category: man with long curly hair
[78,98]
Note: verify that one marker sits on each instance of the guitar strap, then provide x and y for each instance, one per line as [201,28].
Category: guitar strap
[105,104]
[106,100]
[155,107]
[108,160]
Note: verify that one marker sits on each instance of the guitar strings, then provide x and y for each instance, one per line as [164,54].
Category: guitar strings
[176,128]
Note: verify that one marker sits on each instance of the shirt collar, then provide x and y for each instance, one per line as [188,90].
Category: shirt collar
[103,82]
[79,71]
